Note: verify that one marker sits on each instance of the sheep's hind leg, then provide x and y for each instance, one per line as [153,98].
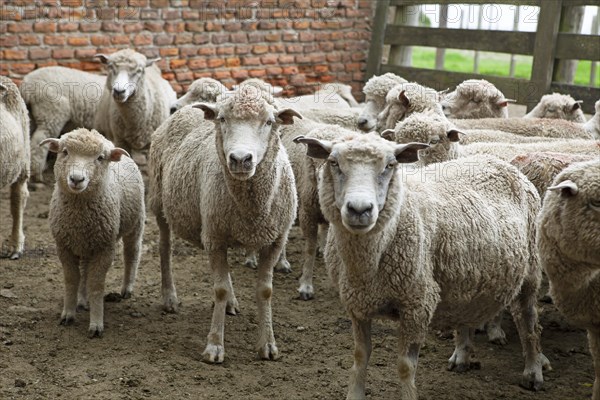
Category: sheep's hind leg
[407,369]
[70,265]
[460,361]
[97,269]
[594,339]
[132,250]
[169,293]
[215,351]
[251,260]
[38,156]
[233,307]
[283,265]
[18,200]
[361,332]
[310,231]
[495,333]
[82,296]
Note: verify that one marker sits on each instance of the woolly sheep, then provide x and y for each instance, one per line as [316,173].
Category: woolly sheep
[60,99]
[99,196]
[490,135]
[396,248]
[569,247]
[14,153]
[475,98]
[135,101]
[376,90]
[201,90]
[593,125]
[331,95]
[558,106]
[218,190]
[527,127]
[344,117]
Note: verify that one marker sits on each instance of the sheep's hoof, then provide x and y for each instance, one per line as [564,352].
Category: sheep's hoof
[463,367]
[546,299]
[113,298]
[15,255]
[214,354]
[306,292]
[269,351]
[497,336]
[530,382]
[546,366]
[170,304]
[250,263]
[67,320]
[95,331]
[82,307]
[283,266]
[126,294]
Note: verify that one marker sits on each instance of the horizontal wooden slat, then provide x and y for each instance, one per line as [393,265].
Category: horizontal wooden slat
[589,95]
[578,47]
[497,41]
[515,2]
[581,3]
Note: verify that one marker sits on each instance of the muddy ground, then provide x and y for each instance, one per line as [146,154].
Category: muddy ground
[147,354]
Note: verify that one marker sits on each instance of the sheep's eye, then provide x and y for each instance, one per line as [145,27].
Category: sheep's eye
[333,163]
[595,204]
[222,119]
[434,141]
[65,152]
[391,165]
[269,122]
[101,157]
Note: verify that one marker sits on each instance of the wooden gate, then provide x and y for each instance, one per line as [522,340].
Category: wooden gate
[547,46]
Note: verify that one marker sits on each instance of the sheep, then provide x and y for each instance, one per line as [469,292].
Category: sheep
[99,196]
[569,247]
[228,182]
[405,99]
[331,95]
[344,117]
[593,125]
[475,98]
[59,99]
[396,248]
[558,106]
[528,127]
[490,135]
[376,90]
[135,101]
[14,153]
[201,90]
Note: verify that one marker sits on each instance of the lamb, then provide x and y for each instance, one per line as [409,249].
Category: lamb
[376,90]
[558,106]
[135,101]
[218,190]
[528,127]
[14,153]
[593,125]
[201,90]
[59,99]
[569,247]
[99,196]
[396,248]
[475,98]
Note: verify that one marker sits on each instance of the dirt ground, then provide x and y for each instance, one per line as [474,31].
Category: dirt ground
[147,354]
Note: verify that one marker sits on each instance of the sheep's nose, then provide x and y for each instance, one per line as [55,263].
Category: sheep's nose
[76,179]
[241,159]
[359,208]
[444,107]
[362,121]
[173,109]
[118,91]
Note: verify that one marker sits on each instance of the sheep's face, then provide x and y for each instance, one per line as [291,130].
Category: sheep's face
[558,106]
[367,119]
[202,90]
[126,69]
[574,204]
[359,172]
[82,159]
[485,103]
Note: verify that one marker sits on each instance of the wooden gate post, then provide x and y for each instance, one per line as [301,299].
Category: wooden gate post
[377,35]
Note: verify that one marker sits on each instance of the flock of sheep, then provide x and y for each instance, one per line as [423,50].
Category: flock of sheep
[433,209]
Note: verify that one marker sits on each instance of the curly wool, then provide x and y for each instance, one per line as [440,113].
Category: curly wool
[527,127]
[593,125]
[422,98]
[479,90]
[379,86]
[557,106]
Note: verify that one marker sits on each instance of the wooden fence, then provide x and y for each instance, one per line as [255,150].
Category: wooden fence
[547,46]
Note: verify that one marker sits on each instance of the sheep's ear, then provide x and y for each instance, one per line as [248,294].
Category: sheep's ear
[210,111]
[315,148]
[408,153]
[576,106]
[151,61]
[442,93]
[277,91]
[53,144]
[117,153]
[404,99]
[286,116]
[3,89]
[453,135]
[388,134]
[567,188]
[102,57]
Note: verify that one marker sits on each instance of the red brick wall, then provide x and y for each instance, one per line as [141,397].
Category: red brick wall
[293,43]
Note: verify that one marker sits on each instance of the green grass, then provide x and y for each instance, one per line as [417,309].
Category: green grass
[491,64]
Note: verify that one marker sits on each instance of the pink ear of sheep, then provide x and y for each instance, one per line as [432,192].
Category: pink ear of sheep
[504,102]
[151,61]
[567,188]
[102,57]
[388,134]
[53,144]
[117,153]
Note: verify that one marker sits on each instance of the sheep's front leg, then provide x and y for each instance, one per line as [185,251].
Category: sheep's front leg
[460,361]
[495,333]
[215,351]
[283,265]
[82,296]
[18,200]
[594,339]
[97,269]
[169,293]
[70,265]
[361,331]
[310,230]
[132,250]
[407,368]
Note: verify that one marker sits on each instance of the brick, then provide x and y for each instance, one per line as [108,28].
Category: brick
[232,62]
[153,26]
[257,73]
[197,63]
[69,27]
[148,14]
[286,59]
[14,54]
[219,75]
[174,27]
[163,40]
[215,63]
[62,53]
[100,40]
[185,14]
[44,27]
[90,27]
[290,70]
[273,37]
[213,27]
[22,68]
[78,41]
[168,51]
[274,71]
[307,36]
[321,69]
[11,40]
[187,52]
[142,40]
[239,74]
[177,63]
[194,26]
[119,39]
[294,48]
[301,25]
[184,76]
[220,39]
[251,61]
[201,38]
[171,14]
[39,54]
[111,26]
[225,50]
[184,38]
[133,27]
[260,49]
[85,53]
[240,37]
[20,27]
[207,51]
[243,49]
[270,59]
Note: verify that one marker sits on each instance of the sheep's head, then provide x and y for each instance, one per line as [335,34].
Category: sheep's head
[431,128]
[475,99]
[405,99]
[82,159]
[558,106]
[126,69]
[572,211]
[358,173]
[375,90]
[203,90]
[247,126]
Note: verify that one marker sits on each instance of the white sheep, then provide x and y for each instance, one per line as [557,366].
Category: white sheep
[376,90]
[558,106]
[14,156]
[593,125]
[98,199]
[135,101]
[475,98]
[201,90]
[228,182]
[344,117]
[569,246]
[330,95]
[59,99]
[528,127]
[448,252]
